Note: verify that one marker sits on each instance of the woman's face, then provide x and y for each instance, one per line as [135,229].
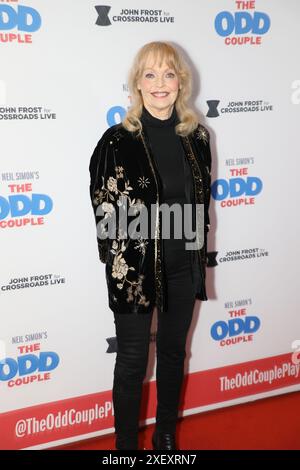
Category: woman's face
[159,88]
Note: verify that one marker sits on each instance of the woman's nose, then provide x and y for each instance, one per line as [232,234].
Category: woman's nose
[160,81]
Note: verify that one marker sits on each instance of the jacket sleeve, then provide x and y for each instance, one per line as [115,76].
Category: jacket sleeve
[203,138]
[207,153]
[207,191]
[99,173]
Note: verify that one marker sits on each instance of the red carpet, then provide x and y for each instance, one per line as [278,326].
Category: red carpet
[271,423]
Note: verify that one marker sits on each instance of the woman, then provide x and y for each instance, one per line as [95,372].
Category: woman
[158,155]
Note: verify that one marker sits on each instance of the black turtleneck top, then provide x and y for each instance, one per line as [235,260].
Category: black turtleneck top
[169,155]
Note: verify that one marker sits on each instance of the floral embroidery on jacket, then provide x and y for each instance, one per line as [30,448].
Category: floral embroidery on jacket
[107,193]
[120,268]
[119,271]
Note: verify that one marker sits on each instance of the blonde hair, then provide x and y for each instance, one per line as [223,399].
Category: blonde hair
[163,51]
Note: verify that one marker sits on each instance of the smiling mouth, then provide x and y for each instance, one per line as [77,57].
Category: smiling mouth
[160,94]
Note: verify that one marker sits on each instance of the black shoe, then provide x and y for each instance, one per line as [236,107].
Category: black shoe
[163,441]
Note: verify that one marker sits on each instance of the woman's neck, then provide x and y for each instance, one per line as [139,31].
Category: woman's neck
[160,114]
[152,121]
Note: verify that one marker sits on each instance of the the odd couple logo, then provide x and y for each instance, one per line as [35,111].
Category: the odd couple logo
[18,22]
[239,189]
[238,328]
[23,207]
[31,365]
[245,26]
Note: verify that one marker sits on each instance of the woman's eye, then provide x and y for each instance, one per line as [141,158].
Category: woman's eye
[169,75]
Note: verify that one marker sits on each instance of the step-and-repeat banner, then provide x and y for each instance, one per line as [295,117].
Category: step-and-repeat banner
[63,82]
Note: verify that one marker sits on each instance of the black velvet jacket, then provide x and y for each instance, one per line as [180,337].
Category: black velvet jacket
[122,168]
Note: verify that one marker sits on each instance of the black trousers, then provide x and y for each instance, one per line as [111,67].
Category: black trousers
[133,337]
